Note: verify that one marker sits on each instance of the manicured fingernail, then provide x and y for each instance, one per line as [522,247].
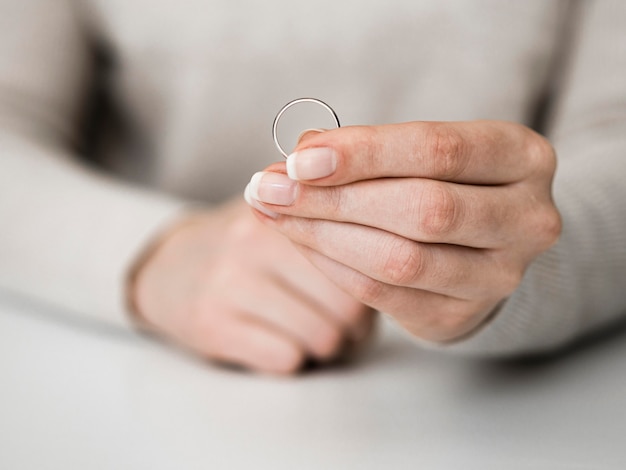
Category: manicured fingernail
[273,188]
[311,164]
[257,205]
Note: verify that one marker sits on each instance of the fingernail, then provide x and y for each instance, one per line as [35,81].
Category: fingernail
[310,164]
[257,205]
[308,131]
[273,188]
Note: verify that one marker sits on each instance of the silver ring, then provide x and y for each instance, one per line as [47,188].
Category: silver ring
[289,105]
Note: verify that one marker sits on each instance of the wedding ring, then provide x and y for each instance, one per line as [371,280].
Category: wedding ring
[289,105]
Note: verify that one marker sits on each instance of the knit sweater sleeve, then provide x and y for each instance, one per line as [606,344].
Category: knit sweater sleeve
[69,234]
[579,285]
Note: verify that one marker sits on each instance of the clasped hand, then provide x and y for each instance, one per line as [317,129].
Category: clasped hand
[431,223]
[230,289]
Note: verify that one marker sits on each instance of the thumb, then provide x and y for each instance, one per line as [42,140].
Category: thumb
[308,134]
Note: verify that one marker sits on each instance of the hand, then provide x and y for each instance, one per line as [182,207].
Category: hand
[235,291]
[432,223]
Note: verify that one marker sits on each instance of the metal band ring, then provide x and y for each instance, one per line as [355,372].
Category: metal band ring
[289,105]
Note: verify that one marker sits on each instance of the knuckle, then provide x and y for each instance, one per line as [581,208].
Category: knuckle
[403,263]
[209,332]
[352,313]
[292,360]
[446,323]
[544,229]
[289,361]
[445,150]
[328,343]
[541,153]
[459,318]
[333,202]
[439,211]
[243,229]
[368,290]
[549,227]
[454,322]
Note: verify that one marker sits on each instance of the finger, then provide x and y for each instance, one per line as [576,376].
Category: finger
[342,309]
[449,270]
[250,344]
[477,152]
[430,316]
[416,208]
[283,308]
[308,133]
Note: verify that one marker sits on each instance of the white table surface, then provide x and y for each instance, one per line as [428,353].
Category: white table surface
[80,396]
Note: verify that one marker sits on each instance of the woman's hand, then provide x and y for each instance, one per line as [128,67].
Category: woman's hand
[432,223]
[235,291]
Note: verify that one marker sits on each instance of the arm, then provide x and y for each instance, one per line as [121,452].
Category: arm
[219,284]
[68,234]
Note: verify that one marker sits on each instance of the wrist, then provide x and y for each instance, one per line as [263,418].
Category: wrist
[141,263]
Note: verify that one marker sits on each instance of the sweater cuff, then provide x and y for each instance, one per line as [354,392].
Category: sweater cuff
[140,223]
[74,235]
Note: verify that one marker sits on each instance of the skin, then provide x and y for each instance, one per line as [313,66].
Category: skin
[431,223]
[234,291]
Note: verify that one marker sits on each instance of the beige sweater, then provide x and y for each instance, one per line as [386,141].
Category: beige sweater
[115,114]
